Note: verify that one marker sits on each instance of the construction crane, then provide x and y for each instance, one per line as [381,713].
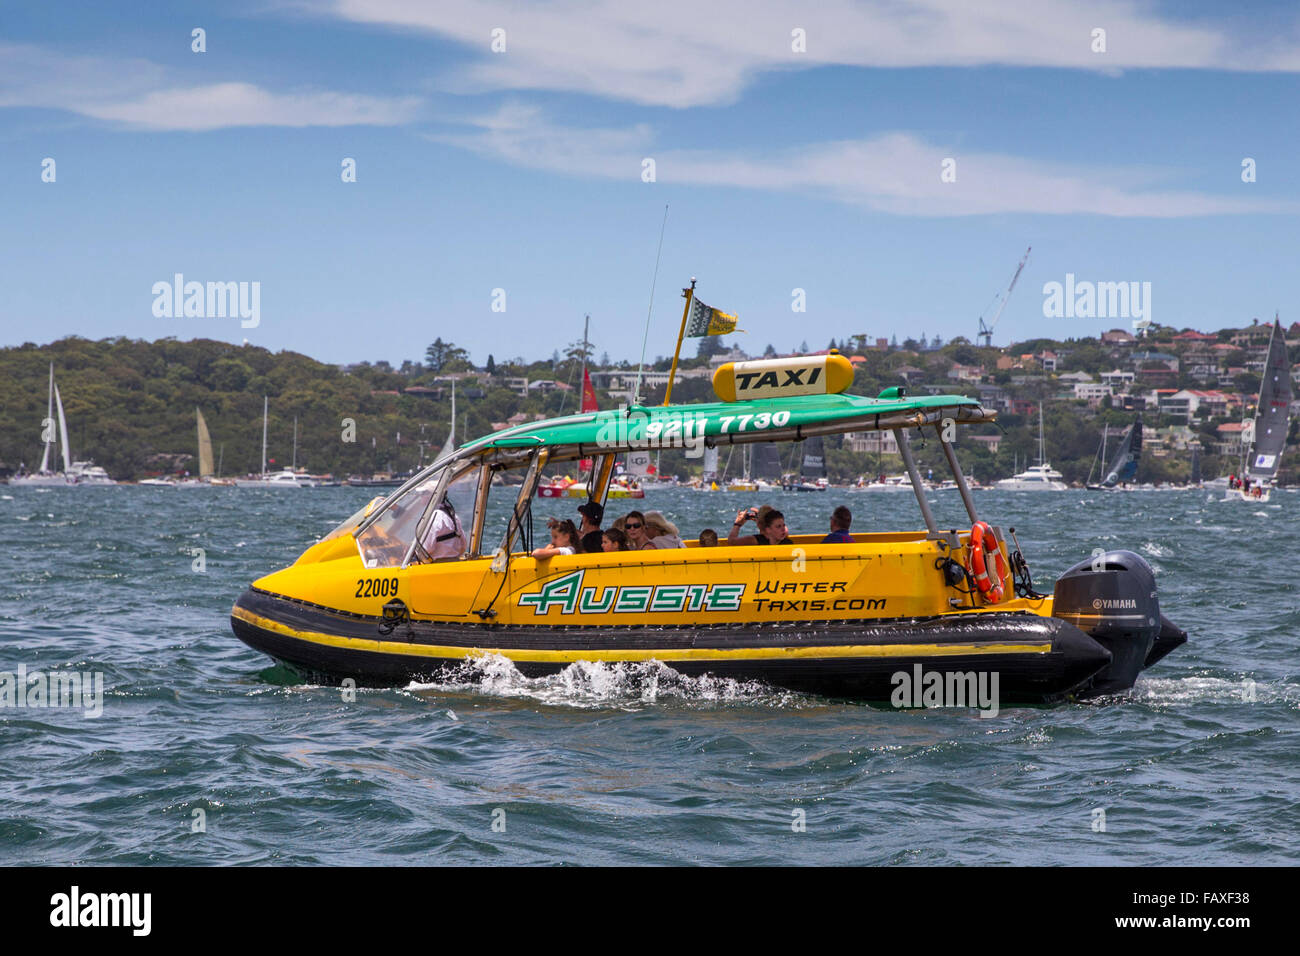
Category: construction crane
[986,331]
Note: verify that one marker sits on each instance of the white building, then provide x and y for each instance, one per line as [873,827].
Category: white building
[1092,392]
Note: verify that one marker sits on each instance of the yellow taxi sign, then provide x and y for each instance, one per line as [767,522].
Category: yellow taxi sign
[783,377]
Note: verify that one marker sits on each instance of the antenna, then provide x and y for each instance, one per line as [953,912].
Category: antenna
[636,392]
[986,331]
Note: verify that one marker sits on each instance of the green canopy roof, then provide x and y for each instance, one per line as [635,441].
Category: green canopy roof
[775,419]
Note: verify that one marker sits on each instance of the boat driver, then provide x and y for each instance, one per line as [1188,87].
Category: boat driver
[444,537]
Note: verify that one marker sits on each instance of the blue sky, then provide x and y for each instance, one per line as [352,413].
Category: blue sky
[521,170]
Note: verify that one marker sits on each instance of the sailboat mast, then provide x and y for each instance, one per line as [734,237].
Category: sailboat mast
[49,425]
[582,379]
[265,406]
[1041,456]
[295,443]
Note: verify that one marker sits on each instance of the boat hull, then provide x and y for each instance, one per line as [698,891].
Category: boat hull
[1239,494]
[1036,659]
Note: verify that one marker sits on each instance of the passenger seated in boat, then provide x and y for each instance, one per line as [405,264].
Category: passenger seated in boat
[660,532]
[634,528]
[708,538]
[771,527]
[444,538]
[593,513]
[613,540]
[841,518]
[564,540]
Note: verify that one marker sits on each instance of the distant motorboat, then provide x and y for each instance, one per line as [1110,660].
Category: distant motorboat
[886,484]
[1034,478]
[280,479]
[1039,477]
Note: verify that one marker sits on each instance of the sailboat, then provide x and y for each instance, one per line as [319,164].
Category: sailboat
[1272,421]
[708,480]
[745,482]
[286,477]
[45,477]
[74,472]
[1124,466]
[207,475]
[1101,452]
[1039,477]
[812,467]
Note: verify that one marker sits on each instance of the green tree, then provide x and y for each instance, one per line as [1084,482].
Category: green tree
[710,345]
[438,355]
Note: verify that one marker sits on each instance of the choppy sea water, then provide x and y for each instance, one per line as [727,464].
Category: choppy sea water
[1199,764]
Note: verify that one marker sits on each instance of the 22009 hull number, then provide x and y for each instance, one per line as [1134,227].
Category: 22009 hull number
[377,587]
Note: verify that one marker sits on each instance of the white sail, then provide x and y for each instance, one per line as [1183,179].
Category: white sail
[205,447]
[710,462]
[63,432]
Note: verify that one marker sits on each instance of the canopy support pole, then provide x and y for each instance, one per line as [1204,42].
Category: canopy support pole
[601,475]
[480,510]
[905,449]
[524,502]
[951,455]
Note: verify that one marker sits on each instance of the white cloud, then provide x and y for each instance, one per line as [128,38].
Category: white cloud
[894,172]
[221,105]
[684,53]
[137,93]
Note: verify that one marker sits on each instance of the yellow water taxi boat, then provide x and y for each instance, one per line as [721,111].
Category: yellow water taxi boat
[843,619]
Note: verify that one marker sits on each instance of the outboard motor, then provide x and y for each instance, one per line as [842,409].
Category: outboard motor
[1112,597]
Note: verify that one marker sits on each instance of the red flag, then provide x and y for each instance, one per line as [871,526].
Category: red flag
[588,405]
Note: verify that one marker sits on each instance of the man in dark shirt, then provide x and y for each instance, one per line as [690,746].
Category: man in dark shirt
[841,518]
[593,513]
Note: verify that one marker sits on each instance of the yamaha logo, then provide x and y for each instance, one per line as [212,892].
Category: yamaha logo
[1106,604]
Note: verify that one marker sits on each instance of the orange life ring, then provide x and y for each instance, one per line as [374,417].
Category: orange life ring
[982,540]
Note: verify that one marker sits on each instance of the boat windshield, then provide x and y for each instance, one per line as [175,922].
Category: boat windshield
[386,542]
[355,519]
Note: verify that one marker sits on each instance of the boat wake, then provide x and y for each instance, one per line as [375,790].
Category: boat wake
[585,684]
[1214,690]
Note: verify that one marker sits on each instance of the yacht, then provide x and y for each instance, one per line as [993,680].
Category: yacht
[74,472]
[1039,477]
[285,478]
